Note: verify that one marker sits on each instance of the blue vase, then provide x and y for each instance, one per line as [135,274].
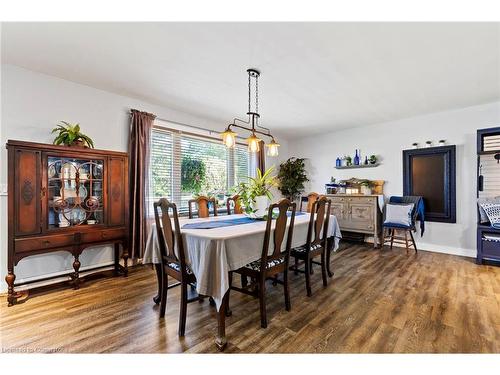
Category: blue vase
[338,163]
[356,158]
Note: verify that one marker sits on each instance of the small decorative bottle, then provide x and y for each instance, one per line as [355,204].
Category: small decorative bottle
[338,163]
[366,160]
[356,158]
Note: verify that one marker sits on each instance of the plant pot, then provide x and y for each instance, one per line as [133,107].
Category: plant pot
[261,205]
[78,143]
[366,190]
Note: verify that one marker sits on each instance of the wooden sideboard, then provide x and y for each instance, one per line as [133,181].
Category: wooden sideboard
[359,214]
[65,198]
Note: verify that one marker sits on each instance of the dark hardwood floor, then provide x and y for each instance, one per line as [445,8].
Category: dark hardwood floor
[379,301]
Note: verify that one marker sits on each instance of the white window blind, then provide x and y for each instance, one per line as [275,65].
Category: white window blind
[185,165]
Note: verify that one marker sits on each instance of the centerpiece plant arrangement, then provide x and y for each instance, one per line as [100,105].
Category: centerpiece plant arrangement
[292,176]
[255,195]
[70,135]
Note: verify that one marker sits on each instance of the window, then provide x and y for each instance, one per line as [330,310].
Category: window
[185,165]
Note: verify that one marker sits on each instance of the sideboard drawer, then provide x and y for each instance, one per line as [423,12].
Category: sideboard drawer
[102,235]
[337,199]
[38,243]
[363,200]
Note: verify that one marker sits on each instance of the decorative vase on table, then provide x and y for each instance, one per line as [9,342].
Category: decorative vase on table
[261,205]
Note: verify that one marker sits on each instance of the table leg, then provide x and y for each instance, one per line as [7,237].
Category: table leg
[157,298]
[221,340]
[329,248]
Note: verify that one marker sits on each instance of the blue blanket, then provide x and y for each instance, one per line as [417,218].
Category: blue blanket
[211,224]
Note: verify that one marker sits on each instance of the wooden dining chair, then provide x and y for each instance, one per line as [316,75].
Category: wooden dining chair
[237,209]
[316,245]
[391,230]
[309,199]
[171,264]
[270,265]
[202,204]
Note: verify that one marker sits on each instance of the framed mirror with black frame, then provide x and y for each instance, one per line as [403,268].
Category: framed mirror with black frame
[431,173]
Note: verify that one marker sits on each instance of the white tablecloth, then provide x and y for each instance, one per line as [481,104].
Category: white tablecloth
[212,253]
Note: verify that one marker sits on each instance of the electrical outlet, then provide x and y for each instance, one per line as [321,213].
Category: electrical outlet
[3,189]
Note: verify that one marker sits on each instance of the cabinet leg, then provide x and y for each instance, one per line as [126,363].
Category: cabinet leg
[117,259]
[125,262]
[76,275]
[11,296]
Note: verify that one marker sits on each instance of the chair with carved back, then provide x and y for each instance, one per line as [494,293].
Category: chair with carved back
[273,263]
[309,199]
[234,201]
[316,245]
[173,264]
[203,206]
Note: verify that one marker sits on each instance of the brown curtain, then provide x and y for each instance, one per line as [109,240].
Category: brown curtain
[261,157]
[140,135]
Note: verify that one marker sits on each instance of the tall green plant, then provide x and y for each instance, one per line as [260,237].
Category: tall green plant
[292,176]
[256,187]
[70,135]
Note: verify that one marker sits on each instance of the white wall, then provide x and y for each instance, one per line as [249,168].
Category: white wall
[387,140]
[31,104]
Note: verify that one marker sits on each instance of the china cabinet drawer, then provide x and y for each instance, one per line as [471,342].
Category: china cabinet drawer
[29,244]
[103,235]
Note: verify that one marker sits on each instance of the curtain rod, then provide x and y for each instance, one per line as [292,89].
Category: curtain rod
[194,127]
[189,126]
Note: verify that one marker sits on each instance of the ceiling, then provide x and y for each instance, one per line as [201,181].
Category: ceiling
[316,77]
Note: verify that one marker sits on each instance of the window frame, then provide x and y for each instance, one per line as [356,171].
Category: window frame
[178,133]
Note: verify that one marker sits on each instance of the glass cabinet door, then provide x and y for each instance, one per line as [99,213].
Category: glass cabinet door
[75,192]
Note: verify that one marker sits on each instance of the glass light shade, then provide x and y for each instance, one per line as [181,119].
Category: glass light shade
[272,148]
[229,138]
[253,143]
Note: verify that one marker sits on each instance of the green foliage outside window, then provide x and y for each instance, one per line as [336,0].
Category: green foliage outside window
[193,174]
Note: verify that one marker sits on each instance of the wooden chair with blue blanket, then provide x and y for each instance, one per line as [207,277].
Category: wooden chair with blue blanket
[404,225]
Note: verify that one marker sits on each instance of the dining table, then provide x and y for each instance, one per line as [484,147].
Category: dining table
[217,245]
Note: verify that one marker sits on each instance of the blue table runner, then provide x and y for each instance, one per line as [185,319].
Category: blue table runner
[226,222]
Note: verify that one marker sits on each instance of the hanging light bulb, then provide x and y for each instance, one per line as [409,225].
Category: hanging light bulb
[253,143]
[272,148]
[229,138]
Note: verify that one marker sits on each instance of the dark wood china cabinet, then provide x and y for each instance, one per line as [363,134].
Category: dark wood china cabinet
[65,198]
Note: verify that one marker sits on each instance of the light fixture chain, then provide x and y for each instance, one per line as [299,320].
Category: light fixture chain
[249,90]
[257,94]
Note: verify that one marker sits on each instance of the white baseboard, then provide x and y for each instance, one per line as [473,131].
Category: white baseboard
[34,284]
[471,253]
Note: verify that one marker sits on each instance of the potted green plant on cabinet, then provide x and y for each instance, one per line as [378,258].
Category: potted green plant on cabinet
[70,135]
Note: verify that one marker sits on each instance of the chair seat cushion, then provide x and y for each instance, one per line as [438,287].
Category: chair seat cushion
[303,248]
[398,226]
[255,265]
[177,267]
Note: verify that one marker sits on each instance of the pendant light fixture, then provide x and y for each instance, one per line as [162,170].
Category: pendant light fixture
[253,141]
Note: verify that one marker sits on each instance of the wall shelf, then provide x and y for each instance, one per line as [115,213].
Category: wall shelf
[358,166]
